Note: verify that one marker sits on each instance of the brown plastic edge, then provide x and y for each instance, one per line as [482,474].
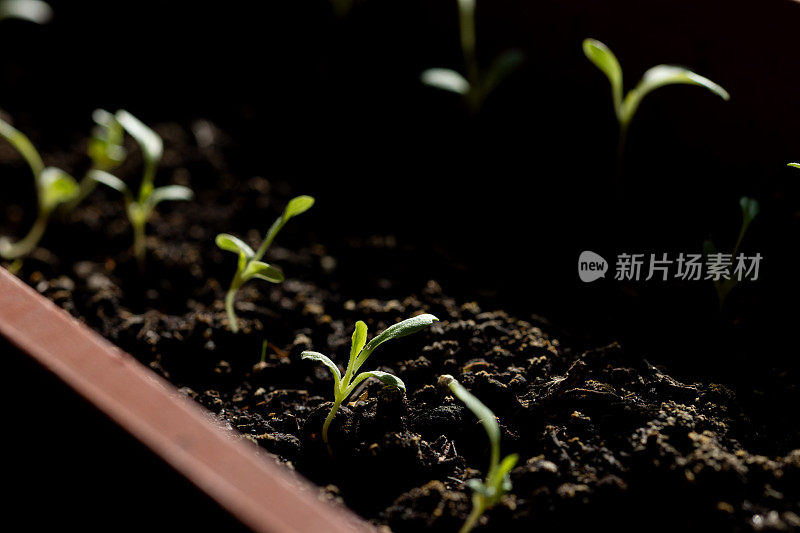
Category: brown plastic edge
[264,496]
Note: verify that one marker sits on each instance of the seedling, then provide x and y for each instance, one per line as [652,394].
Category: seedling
[486,494]
[750,208]
[140,207]
[250,265]
[53,188]
[478,84]
[360,351]
[264,351]
[30,10]
[795,165]
[105,150]
[658,76]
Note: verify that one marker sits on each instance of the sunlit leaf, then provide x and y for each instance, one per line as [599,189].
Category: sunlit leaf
[296,206]
[230,243]
[23,145]
[359,339]
[500,480]
[325,360]
[386,378]
[148,140]
[445,79]
[660,76]
[30,10]
[109,180]
[401,329]
[170,193]
[483,413]
[263,271]
[105,146]
[477,485]
[604,59]
[56,187]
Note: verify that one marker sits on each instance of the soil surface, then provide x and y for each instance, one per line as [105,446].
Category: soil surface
[606,440]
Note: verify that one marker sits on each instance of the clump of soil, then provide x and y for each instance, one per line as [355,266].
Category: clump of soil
[606,440]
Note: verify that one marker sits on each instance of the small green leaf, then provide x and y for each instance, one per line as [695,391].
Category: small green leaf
[23,145]
[386,378]
[35,11]
[105,146]
[401,329]
[445,79]
[795,165]
[170,193]
[604,59]
[296,206]
[502,67]
[260,270]
[57,187]
[750,208]
[662,75]
[229,243]
[109,180]
[148,140]
[500,476]
[484,414]
[325,360]
[477,485]
[359,339]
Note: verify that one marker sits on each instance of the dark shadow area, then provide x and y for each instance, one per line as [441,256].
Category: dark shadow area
[68,465]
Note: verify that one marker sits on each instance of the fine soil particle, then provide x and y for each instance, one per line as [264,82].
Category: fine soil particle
[606,440]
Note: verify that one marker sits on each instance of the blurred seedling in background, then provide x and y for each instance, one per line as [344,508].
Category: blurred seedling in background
[53,188]
[478,83]
[750,209]
[342,7]
[105,151]
[30,10]
[250,265]
[139,207]
[659,76]
[487,493]
[343,386]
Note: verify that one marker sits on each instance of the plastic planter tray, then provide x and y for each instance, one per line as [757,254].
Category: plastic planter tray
[259,494]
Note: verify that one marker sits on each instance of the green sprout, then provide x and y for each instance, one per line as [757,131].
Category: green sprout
[750,208]
[250,265]
[795,165]
[487,493]
[478,83]
[30,10]
[53,188]
[104,150]
[360,351]
[655,77]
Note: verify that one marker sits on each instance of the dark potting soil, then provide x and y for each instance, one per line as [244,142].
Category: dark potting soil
[606,440]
